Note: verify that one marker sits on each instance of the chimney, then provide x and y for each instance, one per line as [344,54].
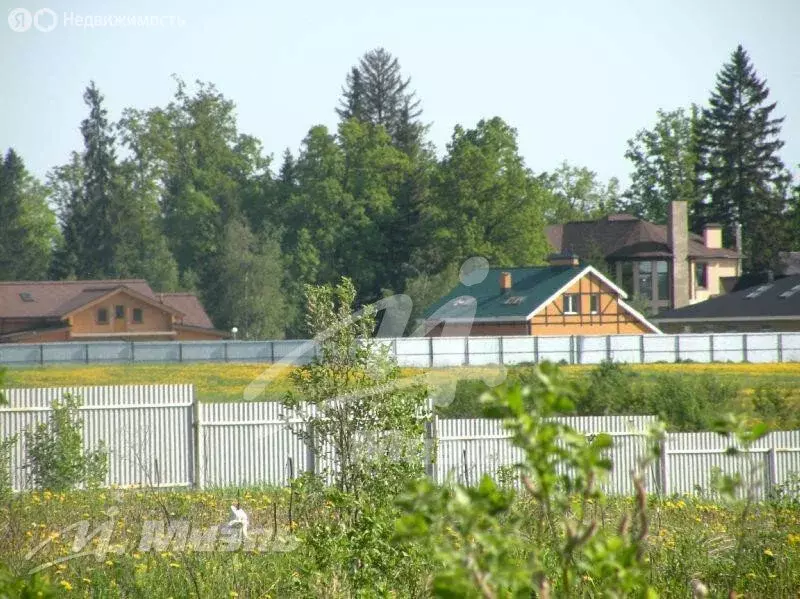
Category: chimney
[505,281]
[712,236]
[678,240]
[565,259]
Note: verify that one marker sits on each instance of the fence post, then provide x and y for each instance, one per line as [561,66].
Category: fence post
[572,349]
[500,347]
[394,348]
[430,351]
[744,347]
[180,352]
[466,350]
[430,447]
[608,348]
[772,468]
[41,354]
[272,352]
[86,352]
[664,467]
[641,349]
[311,456]
[677,348]
[711,347]
[197,439]
[780,348]
[536,349]
[225,350]
[133,355]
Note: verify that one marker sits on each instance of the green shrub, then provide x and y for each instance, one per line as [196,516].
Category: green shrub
[56,457]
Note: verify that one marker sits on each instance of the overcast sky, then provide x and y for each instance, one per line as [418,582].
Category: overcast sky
[575,78]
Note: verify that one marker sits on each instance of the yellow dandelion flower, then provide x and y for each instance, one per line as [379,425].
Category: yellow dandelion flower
[67,586]
[174,565]
[109,562]
[233,594]
[769,552]
[87,580]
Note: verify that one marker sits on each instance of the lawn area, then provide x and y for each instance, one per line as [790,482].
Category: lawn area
[688,538]
[226,382]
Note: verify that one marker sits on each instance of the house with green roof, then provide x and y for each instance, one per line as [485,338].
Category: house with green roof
[563,298]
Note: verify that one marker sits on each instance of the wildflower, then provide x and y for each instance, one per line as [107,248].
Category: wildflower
[174,565]
[87,580]
[109,562]
[233,594]
[768,552]
[67,586]
[793,539]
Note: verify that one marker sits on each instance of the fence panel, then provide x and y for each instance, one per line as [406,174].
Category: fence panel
[484,351]
[593,350]
[625,348]
[154,351]
[517,350]
[555,349]
[249,444]
[109,351]
[147,430]
[448,351]
[659,348]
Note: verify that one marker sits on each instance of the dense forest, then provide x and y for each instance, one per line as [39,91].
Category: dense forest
[179,196]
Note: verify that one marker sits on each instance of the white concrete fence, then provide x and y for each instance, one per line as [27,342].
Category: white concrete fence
[160,435]
[430,351]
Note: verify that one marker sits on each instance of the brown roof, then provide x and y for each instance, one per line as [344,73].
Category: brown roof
[51,299]
[624,236]
[54,299]
[194,315]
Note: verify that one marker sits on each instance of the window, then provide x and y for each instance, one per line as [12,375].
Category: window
[594,303]
[662,280]
[572,303]
[627,277]
[137,316]
[646,280]
[701,274]
[119,311]
[102,315]
[26,297]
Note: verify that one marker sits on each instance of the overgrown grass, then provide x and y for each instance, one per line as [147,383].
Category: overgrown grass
[689,538]
[688,396]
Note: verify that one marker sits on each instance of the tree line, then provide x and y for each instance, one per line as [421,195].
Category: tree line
[178,195]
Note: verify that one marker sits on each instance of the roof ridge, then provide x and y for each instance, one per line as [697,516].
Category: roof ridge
[77,282]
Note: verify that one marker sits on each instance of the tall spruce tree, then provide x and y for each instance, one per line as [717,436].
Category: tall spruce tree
[376,92]
[742,177]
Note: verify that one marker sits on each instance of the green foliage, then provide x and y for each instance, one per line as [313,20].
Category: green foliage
[25,587]
[248,291]
[27,224]
[578,195]
[664,161]
[484,547]
[480,182]
[56,457]
[743,177]
[365,424]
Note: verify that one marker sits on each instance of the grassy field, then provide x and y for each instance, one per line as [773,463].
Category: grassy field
[689,538]
[227,382]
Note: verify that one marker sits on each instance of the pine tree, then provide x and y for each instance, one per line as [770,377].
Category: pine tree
[376,92]
[743,179]
[99,161]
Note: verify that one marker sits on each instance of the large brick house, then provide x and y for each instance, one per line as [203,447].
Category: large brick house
[43,311]
[564,298]
[666,267]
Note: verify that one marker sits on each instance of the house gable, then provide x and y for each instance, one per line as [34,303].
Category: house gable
[156,318]
[595,306]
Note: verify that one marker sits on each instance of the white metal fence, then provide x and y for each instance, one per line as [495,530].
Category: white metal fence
[161,435]
[432,351]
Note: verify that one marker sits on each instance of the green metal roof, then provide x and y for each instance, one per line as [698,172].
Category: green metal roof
[534,284]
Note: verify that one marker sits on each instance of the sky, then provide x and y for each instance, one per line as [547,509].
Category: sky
[576,79]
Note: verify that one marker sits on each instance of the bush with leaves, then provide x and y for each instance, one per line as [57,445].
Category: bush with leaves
[365,428]
[485,548]
[56,457]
